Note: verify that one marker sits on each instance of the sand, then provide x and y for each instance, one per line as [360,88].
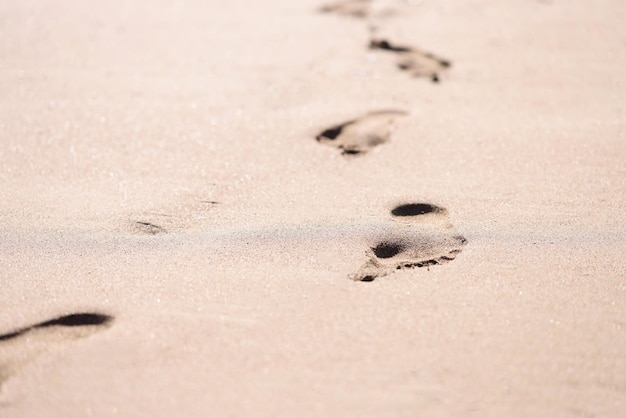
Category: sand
[175,241]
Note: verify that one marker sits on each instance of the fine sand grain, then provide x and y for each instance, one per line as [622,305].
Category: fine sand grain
[187,189]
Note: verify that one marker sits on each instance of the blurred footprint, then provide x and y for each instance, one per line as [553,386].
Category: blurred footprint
[167,220]
[354,8]
[421,237]
[149,228]
[362,8]
[358,136]
[23,345]
[417,63]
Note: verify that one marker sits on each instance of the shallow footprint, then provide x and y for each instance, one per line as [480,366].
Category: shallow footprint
[423,238]
[353,8]
[149,228]
[168,220]
[358,136]
[23,345]
[361,8]
[417,63]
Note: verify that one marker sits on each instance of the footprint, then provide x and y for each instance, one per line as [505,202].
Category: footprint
[353,8]
[421,236]
[417,63]
[167,220]
[358,136]
[23,345]
[361,8]
[149,228]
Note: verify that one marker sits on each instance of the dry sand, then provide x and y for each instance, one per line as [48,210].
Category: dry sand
[159,165]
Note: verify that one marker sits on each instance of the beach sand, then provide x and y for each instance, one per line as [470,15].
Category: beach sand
[180,231]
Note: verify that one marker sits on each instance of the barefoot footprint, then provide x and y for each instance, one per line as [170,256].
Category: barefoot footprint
[149,228]
[358,136]
[354,8]
[417,63]
[23,345]
[421,237]
[362,9]
[167,220]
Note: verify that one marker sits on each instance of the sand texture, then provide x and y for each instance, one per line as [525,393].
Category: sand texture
[312,209]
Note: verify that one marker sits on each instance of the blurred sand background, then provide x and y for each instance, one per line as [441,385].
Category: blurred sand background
[200,117]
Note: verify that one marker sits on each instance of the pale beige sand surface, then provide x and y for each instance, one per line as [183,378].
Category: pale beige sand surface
[200,118]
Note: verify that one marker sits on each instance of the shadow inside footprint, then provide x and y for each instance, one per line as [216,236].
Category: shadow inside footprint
[76,320]
[423,241]
[417,63]
[23,345]
[73,320]
[358,136]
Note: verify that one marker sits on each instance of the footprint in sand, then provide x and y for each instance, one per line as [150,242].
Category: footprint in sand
[23,345]
[168,219]
[417,63]
[362,9]
[352,8]
[358,136]
[148,228]
[422,236]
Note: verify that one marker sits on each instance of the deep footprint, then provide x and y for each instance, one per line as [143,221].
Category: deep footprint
[420,240]
[358,136]
[417,63]
[23,345]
